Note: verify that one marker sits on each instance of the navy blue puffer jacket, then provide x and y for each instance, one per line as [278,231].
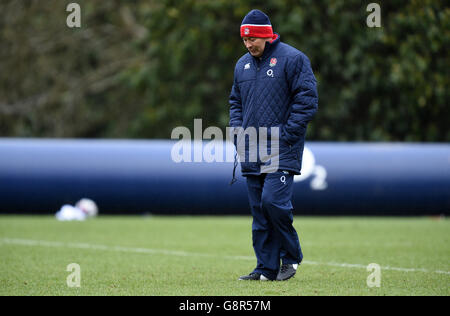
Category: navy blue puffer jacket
[276,90]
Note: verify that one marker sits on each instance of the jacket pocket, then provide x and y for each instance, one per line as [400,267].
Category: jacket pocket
[287,151]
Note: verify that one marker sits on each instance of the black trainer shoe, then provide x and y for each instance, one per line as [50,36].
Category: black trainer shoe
[287,271]
[253,277]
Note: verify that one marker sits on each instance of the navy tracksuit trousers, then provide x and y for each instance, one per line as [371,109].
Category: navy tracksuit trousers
[274,236]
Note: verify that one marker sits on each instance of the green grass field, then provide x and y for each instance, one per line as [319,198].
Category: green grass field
[204,256]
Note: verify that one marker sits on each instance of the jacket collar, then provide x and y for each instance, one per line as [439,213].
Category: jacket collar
[270,46]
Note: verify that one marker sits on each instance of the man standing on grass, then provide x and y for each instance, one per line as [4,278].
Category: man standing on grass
[274,86]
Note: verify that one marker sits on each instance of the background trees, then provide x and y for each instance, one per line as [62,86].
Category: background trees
[137,69]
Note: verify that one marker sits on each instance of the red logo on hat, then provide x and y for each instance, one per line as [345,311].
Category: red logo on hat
[273,62]
[246,31]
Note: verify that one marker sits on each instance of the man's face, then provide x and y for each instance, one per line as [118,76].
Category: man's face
[255,45]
